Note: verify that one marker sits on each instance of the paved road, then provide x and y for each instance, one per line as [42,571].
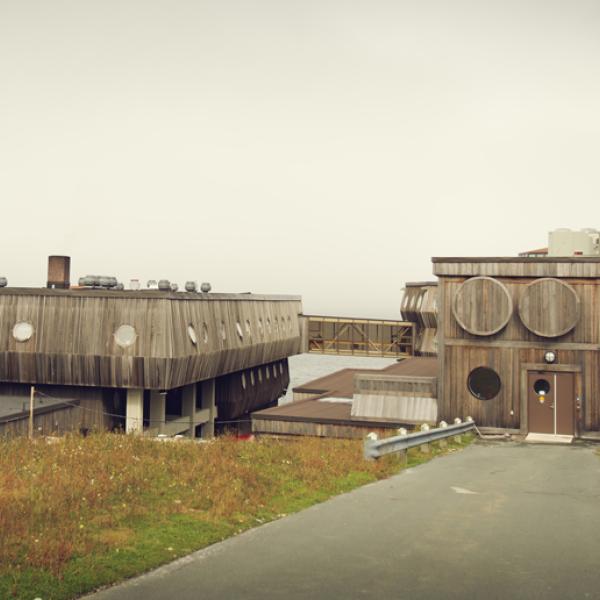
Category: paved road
[497,520]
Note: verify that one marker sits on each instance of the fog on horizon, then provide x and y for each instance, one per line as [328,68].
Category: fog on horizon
[327,149]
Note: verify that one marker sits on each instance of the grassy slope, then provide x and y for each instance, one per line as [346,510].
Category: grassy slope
[85,512]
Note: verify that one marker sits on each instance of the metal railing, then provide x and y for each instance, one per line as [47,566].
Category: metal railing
[376,448]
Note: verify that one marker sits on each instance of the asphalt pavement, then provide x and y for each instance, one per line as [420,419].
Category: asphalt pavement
[496,520]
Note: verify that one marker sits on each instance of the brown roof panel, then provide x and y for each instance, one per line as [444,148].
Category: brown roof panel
[341,383]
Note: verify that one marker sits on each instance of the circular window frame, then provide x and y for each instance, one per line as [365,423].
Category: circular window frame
[192,334]
[479,394]
[537,388]
[504,318]
[125,335]
[22,331]
[525,317]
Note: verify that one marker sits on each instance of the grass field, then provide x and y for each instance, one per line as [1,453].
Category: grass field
[79,513]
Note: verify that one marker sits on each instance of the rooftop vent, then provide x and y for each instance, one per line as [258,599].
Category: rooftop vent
[99,281]
[3,282]
[205,287]
[191,286]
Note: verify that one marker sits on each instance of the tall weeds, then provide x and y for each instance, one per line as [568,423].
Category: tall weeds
[83,495]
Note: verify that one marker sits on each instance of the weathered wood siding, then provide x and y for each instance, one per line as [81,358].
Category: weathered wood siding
[74,344]
[82,409]
[272,427]
[419,306]
[239,393]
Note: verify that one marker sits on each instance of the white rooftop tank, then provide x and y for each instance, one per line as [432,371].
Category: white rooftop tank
[570,242]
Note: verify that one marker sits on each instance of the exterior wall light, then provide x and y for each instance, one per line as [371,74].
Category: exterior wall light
[550,356]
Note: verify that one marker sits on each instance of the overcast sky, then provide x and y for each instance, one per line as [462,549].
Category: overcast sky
[325,148]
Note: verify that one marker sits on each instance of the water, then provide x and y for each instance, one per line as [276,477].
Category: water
[306,367]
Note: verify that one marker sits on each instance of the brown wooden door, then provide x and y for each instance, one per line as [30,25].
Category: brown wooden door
[540,395]
[551,402]
[565,403]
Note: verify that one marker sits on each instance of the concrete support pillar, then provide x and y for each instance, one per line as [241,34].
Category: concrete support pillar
[157,411]
[134,415]
[208,402]
[188,408]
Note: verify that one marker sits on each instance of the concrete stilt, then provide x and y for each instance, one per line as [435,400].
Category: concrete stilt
[208,403]
[134,421]
[157,411]
[188,408]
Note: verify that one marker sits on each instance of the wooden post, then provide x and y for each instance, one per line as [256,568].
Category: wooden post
[443,443]
[31,405]
[458,438]
[425,447]
[404,431]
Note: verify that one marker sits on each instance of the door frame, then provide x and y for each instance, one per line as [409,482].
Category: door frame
[550,368]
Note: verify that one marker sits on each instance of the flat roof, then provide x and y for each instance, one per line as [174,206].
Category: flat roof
[515,259]
[420,283]
[142,294]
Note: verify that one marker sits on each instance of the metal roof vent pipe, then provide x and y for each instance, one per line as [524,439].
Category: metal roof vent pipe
[59,272]
[205,287]
[191,286]
[174,287]
[3,282]
[164,285]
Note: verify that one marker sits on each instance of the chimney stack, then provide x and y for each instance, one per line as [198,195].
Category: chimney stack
[59,272]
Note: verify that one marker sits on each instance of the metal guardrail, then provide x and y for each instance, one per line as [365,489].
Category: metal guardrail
[375,448]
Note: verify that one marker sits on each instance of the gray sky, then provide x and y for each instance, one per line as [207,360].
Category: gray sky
[322,148]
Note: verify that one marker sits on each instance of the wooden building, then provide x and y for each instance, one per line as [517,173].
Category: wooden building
[419,306]
[153,361]
[519,342]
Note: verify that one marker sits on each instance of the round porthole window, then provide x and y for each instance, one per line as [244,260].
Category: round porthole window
[192,334]
[484,383]
[22,331]
[125,336]
[541,387]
